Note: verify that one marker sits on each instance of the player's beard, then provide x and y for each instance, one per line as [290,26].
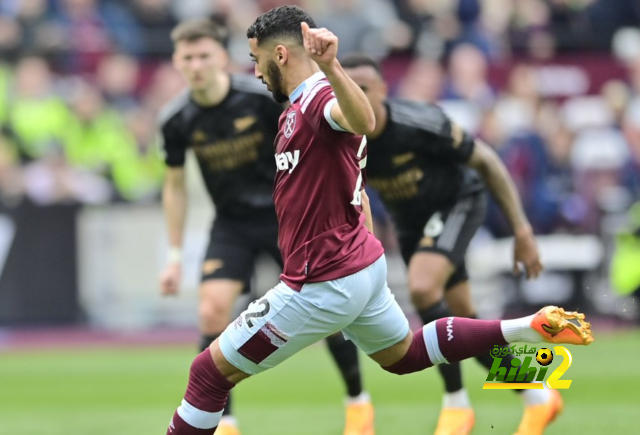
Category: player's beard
[275,82]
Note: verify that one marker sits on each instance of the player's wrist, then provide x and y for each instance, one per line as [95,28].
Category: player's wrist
[174,256]
[330,68]
[524,231]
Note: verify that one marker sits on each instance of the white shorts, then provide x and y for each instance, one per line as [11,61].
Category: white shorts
[285,321]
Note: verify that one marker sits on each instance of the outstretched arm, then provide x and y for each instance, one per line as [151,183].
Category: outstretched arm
[353,111]
[501,185]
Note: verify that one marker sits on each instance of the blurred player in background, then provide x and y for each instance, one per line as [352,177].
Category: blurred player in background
[230,122]
[431,176]
[334,275]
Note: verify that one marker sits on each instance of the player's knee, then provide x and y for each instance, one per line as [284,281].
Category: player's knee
[463,310]
[414,360]
[426,292]
[214,317]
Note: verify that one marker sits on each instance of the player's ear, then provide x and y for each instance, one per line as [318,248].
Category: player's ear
[281,54]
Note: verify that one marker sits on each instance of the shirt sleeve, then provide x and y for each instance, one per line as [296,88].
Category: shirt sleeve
[444,138]
[316,107]
[172,145]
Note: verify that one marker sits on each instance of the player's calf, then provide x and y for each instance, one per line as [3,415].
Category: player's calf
[454,339]
[204,401]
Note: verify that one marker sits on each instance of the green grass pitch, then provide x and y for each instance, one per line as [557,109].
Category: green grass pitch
[134,391]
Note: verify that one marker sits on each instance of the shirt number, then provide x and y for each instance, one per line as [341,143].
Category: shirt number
[357,195]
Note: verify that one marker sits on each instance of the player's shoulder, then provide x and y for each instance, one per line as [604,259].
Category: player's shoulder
[174,108]
[247,84]
[419,115]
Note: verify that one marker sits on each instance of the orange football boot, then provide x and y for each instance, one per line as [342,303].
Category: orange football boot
[536,418]
[455,421]
[556,325]
[359,419]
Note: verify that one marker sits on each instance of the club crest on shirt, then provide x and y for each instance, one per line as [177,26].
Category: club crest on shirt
[290,124]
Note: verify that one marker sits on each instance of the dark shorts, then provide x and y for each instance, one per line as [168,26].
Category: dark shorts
[235,244]
[448,232]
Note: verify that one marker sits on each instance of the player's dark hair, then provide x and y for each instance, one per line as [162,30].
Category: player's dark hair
[280,22]
[192,30]
[357,60]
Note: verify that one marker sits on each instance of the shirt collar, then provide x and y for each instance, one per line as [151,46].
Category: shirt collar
[308,83]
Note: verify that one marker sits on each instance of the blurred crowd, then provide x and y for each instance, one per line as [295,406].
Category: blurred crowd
[81,82]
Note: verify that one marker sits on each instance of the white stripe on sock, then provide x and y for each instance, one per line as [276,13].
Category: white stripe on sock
[430,336]
[536,397]
[458,399]
[519,330]
[198,418]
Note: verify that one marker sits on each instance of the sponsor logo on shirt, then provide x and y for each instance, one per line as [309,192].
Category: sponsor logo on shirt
[241,124]
[287,160]
[402,159]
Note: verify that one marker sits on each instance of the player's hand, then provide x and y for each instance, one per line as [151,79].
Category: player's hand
[170,279]
[321,45]
[525,251]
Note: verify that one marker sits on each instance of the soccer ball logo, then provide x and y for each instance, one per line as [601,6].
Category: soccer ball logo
[544,357]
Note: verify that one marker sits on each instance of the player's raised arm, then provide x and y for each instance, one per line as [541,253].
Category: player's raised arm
[503,189]
[353,111]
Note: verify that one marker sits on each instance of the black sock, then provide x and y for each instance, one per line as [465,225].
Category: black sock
[345,354]
[227,408]
[205,342]
[487,361]
[451,373]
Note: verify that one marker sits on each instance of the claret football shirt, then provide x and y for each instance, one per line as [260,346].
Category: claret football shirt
[317,191]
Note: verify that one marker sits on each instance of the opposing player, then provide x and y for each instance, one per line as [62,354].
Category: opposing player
[230,122]
[426,171]
[334,276]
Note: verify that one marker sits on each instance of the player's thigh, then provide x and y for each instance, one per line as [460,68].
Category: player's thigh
[285,321]
[458,298]
[382,323]
[392,354]
[230,254]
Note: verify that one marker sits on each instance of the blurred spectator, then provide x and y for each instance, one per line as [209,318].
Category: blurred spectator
[10,172]
[615,95]
[38,117]
[138,170]
[117,77]
[605,16]
[422,81]
[90,29]
[98,141]
[165,84]
[155,20]
[5,83]
[630,173]
[467,78]
[359,29]
[37,33]
[541,166]
[10,37]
